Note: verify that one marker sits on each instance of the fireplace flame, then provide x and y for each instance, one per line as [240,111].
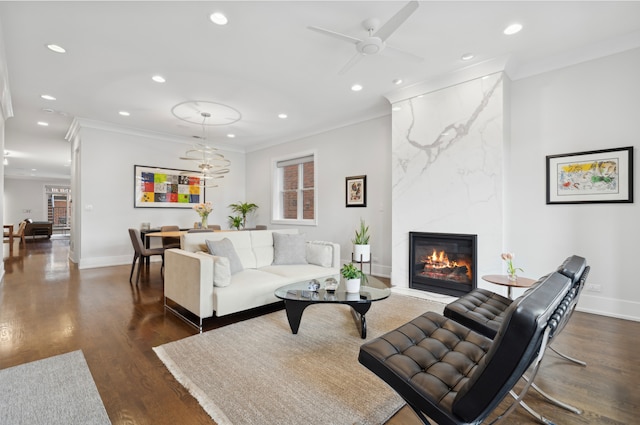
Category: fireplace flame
[439,260]
[438,263]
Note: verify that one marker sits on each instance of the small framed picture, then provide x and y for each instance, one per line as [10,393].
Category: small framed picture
[590,177]
[356,191]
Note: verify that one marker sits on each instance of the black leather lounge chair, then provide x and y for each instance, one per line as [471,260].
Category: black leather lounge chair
[454,375]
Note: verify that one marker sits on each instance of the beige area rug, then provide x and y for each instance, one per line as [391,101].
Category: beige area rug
[258,372]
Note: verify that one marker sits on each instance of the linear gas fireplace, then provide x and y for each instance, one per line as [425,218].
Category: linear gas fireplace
[443,263]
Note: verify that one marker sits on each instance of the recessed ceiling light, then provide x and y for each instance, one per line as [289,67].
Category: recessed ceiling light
[282,116]
[124,113]
[512,29]
[43,124]
[231,135]
[218,18]
[356,87]
[48,110]
[467,56]
[397,81]
[47,97]
[56,48]
[396,108]
[158,79]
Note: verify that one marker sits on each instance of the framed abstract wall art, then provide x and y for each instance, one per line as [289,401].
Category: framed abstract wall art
[356,191]
[156,187]
[590,177]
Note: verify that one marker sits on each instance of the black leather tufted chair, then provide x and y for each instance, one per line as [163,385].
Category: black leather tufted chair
[454,375]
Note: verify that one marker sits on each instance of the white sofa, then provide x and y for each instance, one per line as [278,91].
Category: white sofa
[190,272]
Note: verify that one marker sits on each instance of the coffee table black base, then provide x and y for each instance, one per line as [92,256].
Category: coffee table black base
[295,308]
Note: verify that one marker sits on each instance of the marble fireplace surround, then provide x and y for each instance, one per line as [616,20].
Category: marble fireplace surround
[448,152]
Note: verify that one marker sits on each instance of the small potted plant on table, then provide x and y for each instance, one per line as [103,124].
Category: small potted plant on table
[352,277]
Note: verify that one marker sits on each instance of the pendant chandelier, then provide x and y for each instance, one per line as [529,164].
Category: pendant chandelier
[212,165]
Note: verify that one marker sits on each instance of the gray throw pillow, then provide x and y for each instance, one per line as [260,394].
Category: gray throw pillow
[224,248]
[289,249]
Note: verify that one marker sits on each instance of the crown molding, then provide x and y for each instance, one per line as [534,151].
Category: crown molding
[79,123]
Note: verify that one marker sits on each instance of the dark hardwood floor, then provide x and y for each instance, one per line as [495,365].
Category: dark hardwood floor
[49,307]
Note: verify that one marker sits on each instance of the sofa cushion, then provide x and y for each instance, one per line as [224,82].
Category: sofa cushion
[320,253]
[224,248]
[289,249]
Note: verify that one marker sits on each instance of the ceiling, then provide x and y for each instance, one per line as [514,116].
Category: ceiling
[264,62]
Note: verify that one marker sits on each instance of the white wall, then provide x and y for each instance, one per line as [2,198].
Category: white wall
[590,106]
[25,198]
[359,149]
[106,200]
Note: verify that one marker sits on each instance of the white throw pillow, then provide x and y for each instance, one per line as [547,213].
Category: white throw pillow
[320,254]
[221,269]
[289,249]
[221,272]
[225,248]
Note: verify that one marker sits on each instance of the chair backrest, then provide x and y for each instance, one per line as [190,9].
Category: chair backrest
[136,241]
[514,347]
[170,242]
[573,267]
[261,227]
[215,227]
[576,269]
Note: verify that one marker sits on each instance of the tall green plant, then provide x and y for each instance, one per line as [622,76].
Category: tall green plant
[362,234]
[243,208]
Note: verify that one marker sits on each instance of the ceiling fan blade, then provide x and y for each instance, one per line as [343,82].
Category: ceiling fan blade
[392,51]
[354,60]
[337,35]
[396,20]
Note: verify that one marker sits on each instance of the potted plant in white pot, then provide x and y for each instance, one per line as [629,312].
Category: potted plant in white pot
[243,209]
[361,247]
[352,277]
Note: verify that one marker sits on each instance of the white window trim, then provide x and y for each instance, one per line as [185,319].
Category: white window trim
[275,191]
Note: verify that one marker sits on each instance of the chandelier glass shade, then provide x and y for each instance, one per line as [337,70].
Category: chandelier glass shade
[212,165]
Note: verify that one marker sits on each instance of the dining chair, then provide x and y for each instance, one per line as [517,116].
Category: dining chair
[141,253]
[261,227]
[215,227]
[169,242]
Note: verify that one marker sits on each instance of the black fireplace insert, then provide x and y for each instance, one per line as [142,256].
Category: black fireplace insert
[444,263]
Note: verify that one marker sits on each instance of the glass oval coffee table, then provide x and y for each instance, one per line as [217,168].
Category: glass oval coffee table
[298,296]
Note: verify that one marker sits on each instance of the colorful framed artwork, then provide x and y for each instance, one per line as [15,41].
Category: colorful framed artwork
[156,187]
[590,177]
[356,191]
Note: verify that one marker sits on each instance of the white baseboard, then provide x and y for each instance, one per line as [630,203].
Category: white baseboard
[92,263]
[612,307]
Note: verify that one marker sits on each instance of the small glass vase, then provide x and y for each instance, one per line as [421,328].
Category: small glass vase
[512,277]
[203,223]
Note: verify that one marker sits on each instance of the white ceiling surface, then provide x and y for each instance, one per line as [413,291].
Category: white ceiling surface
[264,62]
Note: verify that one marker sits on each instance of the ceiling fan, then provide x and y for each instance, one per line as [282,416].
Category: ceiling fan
[375,42]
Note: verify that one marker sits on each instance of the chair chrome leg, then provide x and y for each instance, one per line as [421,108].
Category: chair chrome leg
[554,400]
[532,412]
[571,359]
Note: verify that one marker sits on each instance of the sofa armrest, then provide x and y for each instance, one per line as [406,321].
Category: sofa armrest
[188,281]
[327,254]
